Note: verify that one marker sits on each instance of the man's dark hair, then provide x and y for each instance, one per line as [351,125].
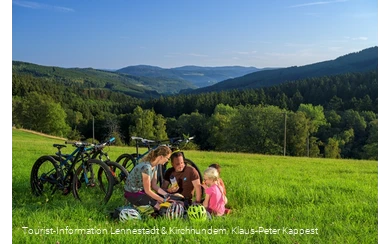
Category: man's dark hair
[176,154]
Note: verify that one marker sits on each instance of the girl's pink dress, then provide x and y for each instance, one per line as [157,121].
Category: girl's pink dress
[216,204]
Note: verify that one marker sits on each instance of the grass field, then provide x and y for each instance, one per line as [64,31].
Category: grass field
[274,200]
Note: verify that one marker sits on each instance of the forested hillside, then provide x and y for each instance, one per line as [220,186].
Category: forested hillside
[198,76]
[135,86]
[330,116]
[333,116]
[362,61]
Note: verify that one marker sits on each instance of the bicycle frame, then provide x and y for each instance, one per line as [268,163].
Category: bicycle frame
[67,162]
[97,150]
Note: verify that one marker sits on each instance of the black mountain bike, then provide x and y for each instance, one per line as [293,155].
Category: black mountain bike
[76,172]
[118,172]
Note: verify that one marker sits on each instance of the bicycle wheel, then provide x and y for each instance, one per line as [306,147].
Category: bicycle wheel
[118,172]
[88,187]
[120,175]
[45,176]
[127,160]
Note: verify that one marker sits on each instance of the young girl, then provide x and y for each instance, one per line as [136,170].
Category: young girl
[214,200]
[221,184]
[220,181]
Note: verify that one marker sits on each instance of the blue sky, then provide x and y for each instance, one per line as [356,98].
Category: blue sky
[118,33]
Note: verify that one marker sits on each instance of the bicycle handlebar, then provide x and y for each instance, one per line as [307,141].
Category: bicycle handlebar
[102,145]
[173,140]
[85,144]
[79,143]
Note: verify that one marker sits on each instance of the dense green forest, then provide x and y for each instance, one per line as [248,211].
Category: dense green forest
[333,116]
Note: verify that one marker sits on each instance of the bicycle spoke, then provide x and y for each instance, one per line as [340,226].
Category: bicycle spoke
[93,182]
[44,176]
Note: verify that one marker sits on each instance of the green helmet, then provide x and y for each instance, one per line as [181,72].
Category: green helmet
[197,212]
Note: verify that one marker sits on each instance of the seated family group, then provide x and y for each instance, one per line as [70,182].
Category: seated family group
[141,186]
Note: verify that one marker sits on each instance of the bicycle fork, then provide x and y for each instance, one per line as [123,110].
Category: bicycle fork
[86,169]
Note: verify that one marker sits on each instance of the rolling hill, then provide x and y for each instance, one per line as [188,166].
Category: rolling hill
[144,81]
[362,61]
[197,75]
[140,87]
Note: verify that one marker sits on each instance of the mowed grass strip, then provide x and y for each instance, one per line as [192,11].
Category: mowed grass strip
[273,200]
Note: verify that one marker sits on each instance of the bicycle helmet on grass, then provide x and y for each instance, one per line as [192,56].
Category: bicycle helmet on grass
[197,212]
[175,211]
[128,214]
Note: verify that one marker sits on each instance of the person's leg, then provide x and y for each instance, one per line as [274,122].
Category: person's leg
[142,199]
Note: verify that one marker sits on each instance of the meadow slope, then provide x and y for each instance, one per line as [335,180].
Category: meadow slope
[273,199]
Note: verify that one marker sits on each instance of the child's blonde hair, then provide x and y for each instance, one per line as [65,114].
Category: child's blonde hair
[211,173]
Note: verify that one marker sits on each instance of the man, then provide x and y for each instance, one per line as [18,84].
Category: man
[187,177]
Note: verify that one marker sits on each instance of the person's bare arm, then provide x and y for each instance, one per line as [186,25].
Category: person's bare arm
[165,184]
[154,182]
[198,190]
[147,188]
[206,201]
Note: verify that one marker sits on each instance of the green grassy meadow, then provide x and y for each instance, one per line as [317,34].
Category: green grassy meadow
[274,199]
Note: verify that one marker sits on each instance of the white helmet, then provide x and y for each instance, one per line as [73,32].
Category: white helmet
[128,213]
[175,211]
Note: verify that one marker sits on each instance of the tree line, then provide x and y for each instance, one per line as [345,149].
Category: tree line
[332,116]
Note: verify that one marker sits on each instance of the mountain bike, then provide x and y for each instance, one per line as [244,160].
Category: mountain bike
[76,172]
[129,161]
[118,172]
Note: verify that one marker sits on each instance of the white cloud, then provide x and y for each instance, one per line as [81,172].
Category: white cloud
[35,5]
[316,3]
[245,52]
[360,38]
[197,55]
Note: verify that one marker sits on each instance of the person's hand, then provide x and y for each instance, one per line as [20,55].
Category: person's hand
[167,197]
[204,185]
[173,189]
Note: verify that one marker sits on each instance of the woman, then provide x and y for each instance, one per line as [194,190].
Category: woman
[143,178]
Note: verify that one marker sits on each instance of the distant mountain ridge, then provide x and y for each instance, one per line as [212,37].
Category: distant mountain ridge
[361,61]
[140,87]
[152,82]
[199,76]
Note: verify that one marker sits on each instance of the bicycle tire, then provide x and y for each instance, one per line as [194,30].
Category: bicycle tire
[118,172]
[87,187]
[120,175]
[44,176]
[128,161]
